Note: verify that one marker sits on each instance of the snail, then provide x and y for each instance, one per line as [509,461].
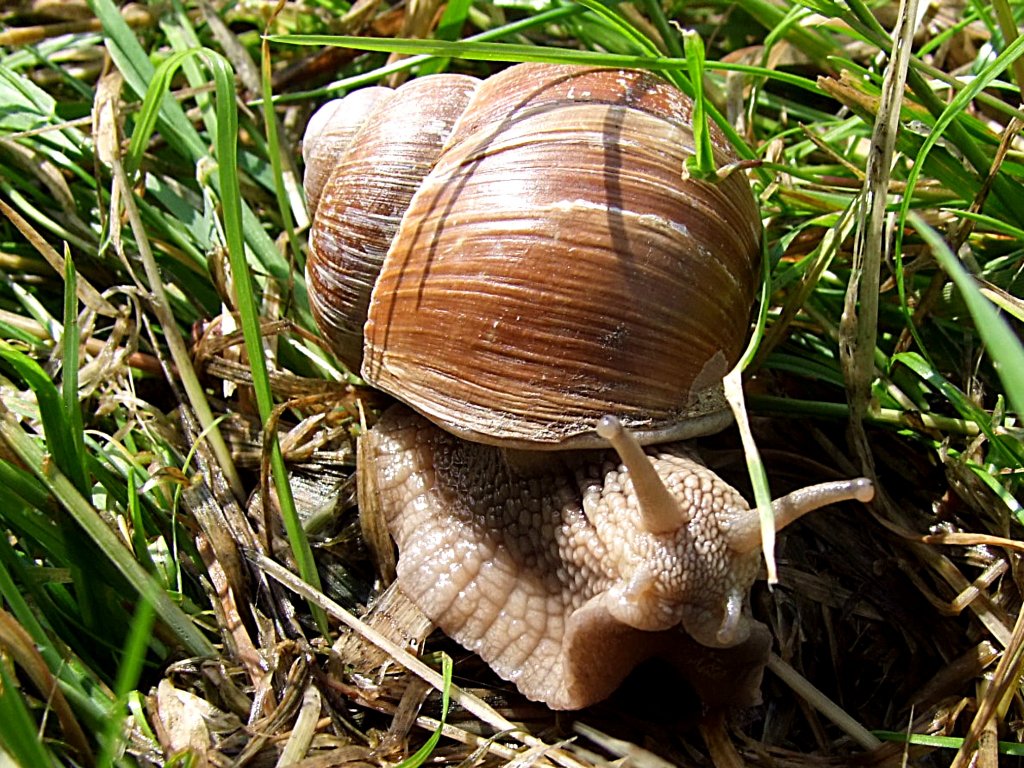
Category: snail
[523,263]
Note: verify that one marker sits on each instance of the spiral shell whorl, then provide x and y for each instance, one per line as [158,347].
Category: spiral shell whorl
[554,266]
[329,134]
[366,195]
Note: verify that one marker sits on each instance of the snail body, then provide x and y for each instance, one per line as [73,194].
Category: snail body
[527,260]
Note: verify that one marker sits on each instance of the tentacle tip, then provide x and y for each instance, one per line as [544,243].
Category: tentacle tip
[609,427]
[731,631]
[863,489]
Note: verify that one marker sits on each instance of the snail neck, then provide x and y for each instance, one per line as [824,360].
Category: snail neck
[524,462]
[527,463]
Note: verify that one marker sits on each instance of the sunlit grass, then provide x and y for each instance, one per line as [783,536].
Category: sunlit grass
[153,315]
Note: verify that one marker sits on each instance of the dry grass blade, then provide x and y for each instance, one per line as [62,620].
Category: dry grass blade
[859,328]
[823,704]
[973,539]
[123,193]
[410,662]
[135,15]
[18,645]
[229,617]
[1007,674]
[302,732]
[87,293]
[633,755]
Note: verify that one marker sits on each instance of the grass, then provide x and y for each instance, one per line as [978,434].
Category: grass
[158,364]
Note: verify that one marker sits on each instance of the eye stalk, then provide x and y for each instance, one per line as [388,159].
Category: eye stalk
[660,510]
[662,513]
[746,535]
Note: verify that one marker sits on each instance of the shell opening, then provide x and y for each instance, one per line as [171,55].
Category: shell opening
[660,510]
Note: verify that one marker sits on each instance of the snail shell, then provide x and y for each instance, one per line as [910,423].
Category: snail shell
[549,262]
[367,191]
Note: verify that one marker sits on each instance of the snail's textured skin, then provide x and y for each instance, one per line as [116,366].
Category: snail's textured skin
[542,567]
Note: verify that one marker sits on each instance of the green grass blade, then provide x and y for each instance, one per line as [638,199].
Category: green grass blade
[138,530]
[19,606]
[151,111]
[17,481]
[1012,748]
[423,753]
[274,150]
[60,441]
[991,223]
[815,43]
[86,693]
[1000,340]
[621,27]
[94,526]
[481,51]
[71,340]
[951,112]
[138,72]
[702,163]
[19,734]
[948,120]
[449,27]
[227,118]
[227,173]
[1007,450]
[513,52]
[516,28]
[127,679]
[669,34]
